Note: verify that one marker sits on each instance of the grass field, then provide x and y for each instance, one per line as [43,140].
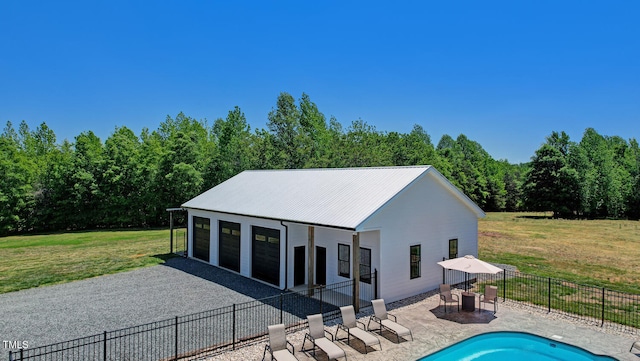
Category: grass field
[603,253]
[36,260]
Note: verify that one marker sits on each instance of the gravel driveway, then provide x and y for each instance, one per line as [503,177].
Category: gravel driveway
[181,286]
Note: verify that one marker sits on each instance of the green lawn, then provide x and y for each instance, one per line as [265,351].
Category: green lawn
[37,260]
[603,253]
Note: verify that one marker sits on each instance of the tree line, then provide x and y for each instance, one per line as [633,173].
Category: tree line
[595,178]
[129,180]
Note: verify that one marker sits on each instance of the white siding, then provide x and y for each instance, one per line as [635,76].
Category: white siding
[327,238]
[245,239]
[298,236]
[425,213]
[371,240]
[330,238]
[428,212]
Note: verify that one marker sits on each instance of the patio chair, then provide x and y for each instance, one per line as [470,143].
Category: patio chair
[317,337]
[490,296]
[278,343]
[635,345]
[350,326]
[381,317]
[447,297]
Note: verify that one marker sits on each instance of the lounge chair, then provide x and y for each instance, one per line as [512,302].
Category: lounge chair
[381,317]
[447,297]
[350,326]
[277,346]
[635,345]
[317,337]
[490,296]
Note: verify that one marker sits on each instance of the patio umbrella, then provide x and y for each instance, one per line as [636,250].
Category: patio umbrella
[469,264]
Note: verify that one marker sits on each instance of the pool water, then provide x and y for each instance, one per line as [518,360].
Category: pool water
[502,346]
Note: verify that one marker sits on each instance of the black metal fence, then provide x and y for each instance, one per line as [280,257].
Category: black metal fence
[596,305]
[178,244]
[195,335]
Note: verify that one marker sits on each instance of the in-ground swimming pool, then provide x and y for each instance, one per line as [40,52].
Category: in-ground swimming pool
[503,346]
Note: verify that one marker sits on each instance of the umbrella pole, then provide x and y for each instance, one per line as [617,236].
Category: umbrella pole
[466,282]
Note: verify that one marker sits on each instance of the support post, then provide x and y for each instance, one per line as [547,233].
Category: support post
[466,282]
[171,231]
[356,271]
[310,260]
[186,234]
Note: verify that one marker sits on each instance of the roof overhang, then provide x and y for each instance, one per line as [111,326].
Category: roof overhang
[274,219]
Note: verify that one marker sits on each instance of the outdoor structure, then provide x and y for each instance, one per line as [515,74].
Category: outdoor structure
[291,228]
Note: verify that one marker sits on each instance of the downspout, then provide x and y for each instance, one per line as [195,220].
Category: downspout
[286,255]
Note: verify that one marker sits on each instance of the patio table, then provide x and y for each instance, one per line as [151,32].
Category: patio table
[468,301]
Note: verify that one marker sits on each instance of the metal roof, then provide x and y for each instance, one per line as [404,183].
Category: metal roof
[332,197]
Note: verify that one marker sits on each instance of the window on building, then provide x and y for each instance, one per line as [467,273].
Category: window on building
[365,265]
[453,248]
[344,264]
[414,261]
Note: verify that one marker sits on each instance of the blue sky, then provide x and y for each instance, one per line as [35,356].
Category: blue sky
[504,73]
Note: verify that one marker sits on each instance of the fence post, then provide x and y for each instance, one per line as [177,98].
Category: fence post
[355,302]
[176,340]
[281,308]
[104,346]
[549,296]
[233,335]
[504,285]
[375,284]
[602,325]
[321,302]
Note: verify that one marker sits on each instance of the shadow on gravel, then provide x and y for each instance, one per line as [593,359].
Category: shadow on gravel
[297,304]
[221,277]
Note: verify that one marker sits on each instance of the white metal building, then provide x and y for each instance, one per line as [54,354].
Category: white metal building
[322,226]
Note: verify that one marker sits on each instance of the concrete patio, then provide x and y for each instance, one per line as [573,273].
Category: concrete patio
[433,329]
